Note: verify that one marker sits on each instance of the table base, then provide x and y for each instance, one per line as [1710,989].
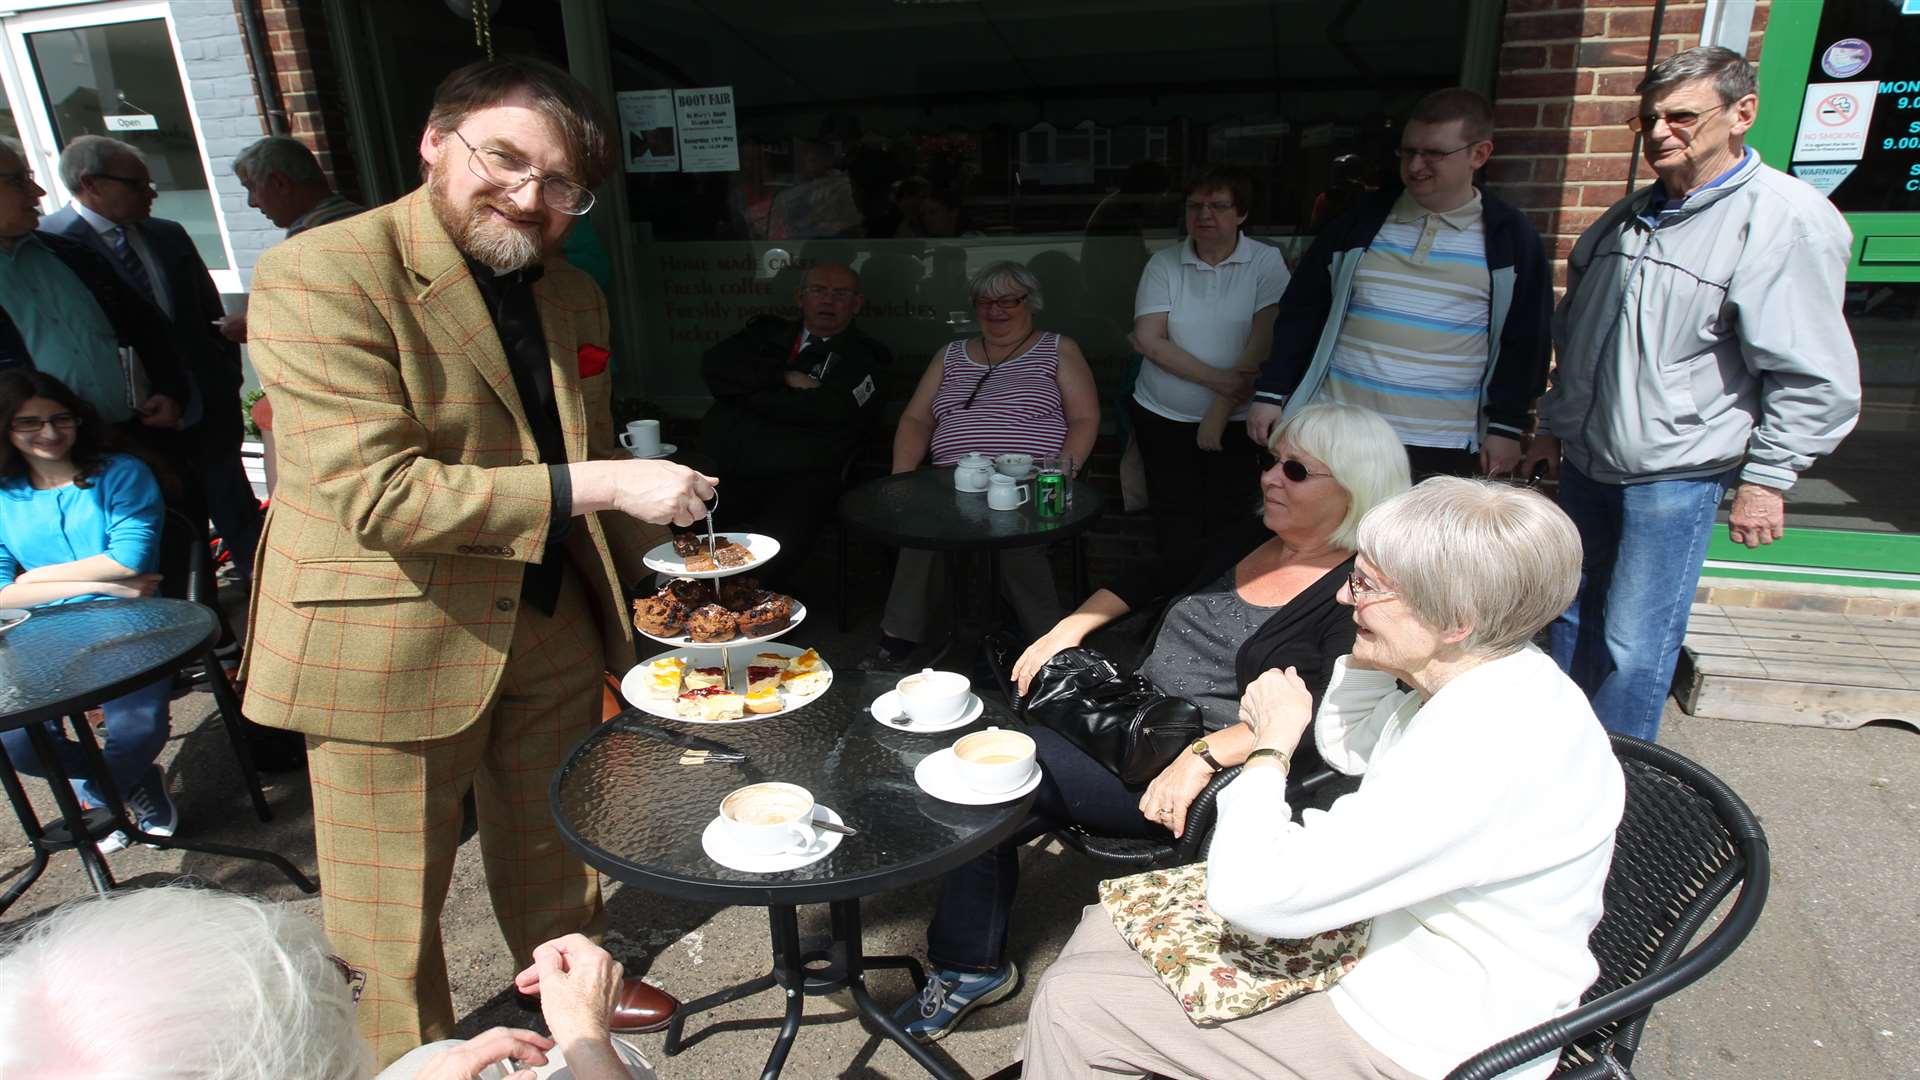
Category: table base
[78,829]
[841,966]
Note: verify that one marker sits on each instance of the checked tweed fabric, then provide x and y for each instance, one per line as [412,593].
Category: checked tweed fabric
[410,495]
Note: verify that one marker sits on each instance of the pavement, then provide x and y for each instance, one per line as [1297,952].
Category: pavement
[1823,988]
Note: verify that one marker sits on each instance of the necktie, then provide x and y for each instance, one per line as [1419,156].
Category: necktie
[130,259]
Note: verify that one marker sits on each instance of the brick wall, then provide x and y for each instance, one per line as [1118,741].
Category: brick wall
[220,85]
[1568,68]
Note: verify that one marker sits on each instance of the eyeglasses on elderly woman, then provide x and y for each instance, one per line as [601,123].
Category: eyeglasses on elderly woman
[1293,469]
[1002,303]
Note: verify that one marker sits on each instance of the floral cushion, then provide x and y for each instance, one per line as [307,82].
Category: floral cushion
[1216,972]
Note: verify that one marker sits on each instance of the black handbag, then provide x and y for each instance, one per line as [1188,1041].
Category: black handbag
[1120,721]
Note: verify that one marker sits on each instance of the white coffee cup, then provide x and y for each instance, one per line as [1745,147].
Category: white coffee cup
[933,697]
[769,819]
[1017,466]
[642,437]
[994,760]
[1004,493]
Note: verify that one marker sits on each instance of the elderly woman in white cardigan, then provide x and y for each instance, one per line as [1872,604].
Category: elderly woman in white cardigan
[1478,841]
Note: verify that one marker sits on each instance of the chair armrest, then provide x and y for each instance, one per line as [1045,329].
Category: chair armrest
[1201,813]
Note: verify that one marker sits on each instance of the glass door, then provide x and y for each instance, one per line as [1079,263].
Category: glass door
[114,70]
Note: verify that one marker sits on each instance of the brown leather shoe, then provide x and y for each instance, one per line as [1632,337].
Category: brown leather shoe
[640,1007]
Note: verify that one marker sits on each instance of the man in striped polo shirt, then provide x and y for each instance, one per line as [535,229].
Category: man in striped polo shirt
[1429,306]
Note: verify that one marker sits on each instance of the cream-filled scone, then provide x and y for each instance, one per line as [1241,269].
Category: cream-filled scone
[706,678]
[806,661]
[713,703]
[804,683]
[765,700]
[664,677]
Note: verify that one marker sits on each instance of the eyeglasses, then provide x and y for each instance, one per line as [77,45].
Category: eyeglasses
[1295,471]
[1216,207]
[356,979]
[1358,585]
[822,292]
[509,173]
[31,425]
[137,183]
[1677,120]
[1002,303]
[1411,154]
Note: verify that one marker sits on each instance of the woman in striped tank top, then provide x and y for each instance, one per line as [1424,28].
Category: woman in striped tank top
[1011,390]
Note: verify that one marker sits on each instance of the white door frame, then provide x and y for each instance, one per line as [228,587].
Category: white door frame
[36,123]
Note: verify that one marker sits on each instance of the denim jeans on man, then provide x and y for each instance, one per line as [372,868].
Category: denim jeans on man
[136,729]
[1643,548]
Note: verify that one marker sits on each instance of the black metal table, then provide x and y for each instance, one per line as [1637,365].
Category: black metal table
[68,658]
[922,509]
[636,815]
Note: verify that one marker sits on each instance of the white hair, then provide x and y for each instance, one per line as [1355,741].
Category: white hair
[1492,558]
[1359,448]
[91,155]
[176,981]
[998,279]
[281,154]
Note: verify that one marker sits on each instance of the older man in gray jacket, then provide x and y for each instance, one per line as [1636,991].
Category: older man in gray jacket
[1700,345]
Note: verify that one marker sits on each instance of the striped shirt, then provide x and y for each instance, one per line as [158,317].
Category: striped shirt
[1018,410]
[1414,344]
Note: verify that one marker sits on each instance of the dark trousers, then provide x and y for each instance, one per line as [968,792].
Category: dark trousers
[791,507]
[969,928]
[1428,461]
[1194,493]
[231,503]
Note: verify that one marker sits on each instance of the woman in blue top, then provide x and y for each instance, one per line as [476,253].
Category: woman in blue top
[80,523]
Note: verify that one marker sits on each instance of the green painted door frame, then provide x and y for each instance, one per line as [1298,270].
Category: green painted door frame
[1881,243]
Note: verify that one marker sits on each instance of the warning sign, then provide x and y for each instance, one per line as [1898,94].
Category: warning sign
[1833,121]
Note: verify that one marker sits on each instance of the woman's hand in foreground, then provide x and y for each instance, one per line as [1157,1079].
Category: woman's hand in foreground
[578,983]
[1063,636]
[1173,791]
[468,1061]
[1278,708]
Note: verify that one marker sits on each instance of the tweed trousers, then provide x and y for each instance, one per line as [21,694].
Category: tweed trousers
[387,824]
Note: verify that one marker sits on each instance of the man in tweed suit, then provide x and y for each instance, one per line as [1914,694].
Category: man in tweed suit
[441,581]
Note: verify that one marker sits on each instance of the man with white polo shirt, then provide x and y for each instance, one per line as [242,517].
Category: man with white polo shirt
[1430,306]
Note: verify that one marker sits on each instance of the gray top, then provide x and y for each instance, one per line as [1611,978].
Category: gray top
[1193,657]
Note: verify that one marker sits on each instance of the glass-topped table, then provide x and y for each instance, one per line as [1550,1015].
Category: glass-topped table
[922,509]
[68,658]
[636,814]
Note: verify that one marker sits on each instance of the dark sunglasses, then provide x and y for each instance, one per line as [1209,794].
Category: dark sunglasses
[1295,471]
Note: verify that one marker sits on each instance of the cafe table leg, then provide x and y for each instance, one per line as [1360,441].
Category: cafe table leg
[29,824]
[956,605]
[69,804]
[847,941]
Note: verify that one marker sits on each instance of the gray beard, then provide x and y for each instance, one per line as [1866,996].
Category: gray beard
[500,248]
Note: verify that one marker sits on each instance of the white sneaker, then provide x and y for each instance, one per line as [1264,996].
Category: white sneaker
[110,844]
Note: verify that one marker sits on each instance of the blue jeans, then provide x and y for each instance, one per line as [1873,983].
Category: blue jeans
[136,730]
[1643,547]
[969,928]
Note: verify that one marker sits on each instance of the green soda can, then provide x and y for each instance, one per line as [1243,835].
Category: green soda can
[1050,490]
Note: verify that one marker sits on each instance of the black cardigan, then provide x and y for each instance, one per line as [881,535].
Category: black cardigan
[1308,633]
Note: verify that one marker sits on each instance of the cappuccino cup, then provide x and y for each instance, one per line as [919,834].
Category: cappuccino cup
[769,819]
[642,437]
[933,697]
[994,760]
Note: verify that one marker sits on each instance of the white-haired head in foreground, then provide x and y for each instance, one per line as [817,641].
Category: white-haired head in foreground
[1358,447]
[1496,559]
[176,982]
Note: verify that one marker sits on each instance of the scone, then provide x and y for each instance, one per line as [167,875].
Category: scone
[740,593]
[712,623]
[690,592]
[713,703]
[706,678]
[804,684]
[661,615]
[805,662]
[764,701]
[763,678]
[664,677]
[769,616]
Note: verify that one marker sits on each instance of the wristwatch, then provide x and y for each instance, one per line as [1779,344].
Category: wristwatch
[1200,747]
[1286,763]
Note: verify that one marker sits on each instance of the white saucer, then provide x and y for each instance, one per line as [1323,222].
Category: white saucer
[719,847]
[662,559]
[886,709]
[12,617]
[935,776]
[667,449]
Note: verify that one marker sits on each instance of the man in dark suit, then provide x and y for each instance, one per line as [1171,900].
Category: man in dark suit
[65,312]
[112,212]
[792,399]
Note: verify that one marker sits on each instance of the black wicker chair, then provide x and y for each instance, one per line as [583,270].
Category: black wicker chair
[186,573]
[1685,844]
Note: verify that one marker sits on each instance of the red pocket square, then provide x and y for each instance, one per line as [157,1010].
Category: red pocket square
[593,360]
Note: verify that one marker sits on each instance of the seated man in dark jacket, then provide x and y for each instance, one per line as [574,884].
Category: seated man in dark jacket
[792,399]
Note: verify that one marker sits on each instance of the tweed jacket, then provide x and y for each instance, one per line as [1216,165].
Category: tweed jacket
[410,496]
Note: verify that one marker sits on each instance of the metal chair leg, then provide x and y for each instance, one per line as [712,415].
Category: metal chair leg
[69,804]
[228,704]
